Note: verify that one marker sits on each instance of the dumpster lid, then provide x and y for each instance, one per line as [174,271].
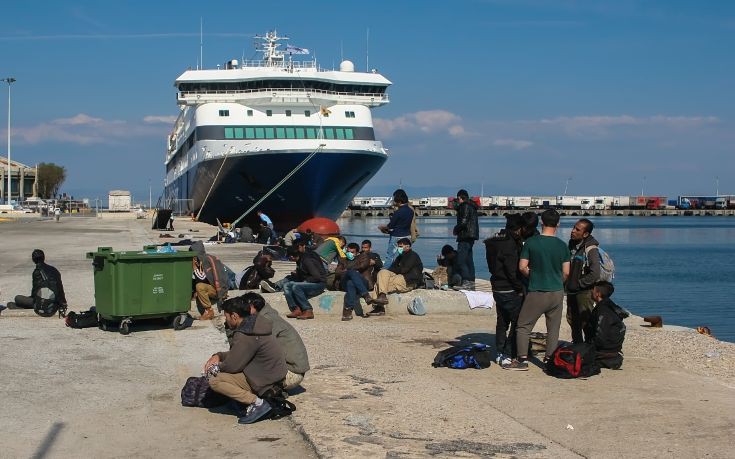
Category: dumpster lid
[108,253]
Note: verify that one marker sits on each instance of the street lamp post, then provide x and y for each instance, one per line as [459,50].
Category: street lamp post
[10,81]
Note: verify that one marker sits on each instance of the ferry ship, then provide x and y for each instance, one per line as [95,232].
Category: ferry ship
[280,134]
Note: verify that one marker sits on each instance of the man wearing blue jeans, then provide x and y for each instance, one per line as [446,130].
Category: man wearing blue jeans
[467,231]
[399,225]
[308,281]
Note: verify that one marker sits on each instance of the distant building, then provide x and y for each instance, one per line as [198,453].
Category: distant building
[119,201]
[22,180]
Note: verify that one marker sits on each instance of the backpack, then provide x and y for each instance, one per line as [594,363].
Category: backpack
[607,266]
[196,392]
[84,319]
[474,356]
[573,361]
[414,227]
[44,302]
[280,407]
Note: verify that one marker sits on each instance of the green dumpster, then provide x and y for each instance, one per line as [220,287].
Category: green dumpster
[141,285]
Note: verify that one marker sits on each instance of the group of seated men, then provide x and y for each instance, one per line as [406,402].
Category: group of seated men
[354,269]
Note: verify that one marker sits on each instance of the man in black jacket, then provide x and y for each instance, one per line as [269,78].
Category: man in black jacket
[503,253]
[583,273]
[47,291]
[405,274]
[607,330]
[467,231]
[309,280]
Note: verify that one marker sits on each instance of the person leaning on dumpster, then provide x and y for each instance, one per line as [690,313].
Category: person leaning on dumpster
[253,367]
[210,280]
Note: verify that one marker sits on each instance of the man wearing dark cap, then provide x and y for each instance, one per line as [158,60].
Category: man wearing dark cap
[503,253]
[404,275]
[467,231]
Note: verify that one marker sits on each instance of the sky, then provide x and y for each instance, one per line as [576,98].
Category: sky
[507,97]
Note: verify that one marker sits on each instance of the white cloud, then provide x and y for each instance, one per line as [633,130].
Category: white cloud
[165,119]
[427,121]
[513,143]
[82,129]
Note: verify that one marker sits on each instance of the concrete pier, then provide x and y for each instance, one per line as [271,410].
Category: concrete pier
[356,213]
[371,392]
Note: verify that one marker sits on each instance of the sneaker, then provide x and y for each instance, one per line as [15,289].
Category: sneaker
[499,358]
[267,286]
[346,314]
[516,365]
[254,413]
[506,361]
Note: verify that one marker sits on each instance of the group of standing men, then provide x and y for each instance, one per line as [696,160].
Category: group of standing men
[530,272]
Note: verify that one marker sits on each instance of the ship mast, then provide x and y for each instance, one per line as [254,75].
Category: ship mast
[269,47]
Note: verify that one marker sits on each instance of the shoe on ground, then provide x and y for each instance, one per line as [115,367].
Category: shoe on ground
[308,314]
[506,361]
[267,287]
[516,365]
[12,305]
[378,310]
[346,314]
[294,314]
[382,299]
[254,413]
[499,358]
[207,315]
[465,285]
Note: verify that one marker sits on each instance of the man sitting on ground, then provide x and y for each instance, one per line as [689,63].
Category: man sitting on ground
[297,360]
[404,275]
[309,280]
[47,291]
[447,262]
[253,366]
[608,329]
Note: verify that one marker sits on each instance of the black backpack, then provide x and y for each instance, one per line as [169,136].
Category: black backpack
[84,319]
[573,361]
[474,356]
[196,392]
[280,407]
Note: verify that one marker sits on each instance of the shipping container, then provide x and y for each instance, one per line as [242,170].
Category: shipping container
[621,202]
[438,202]
[119,201]
[487,202]
[519,202]
[571,202]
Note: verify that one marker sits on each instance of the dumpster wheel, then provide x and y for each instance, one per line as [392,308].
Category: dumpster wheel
[125,326]
[102,323]
[180,321]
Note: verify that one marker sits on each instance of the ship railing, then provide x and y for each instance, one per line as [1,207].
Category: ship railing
[283,91]
[284,64]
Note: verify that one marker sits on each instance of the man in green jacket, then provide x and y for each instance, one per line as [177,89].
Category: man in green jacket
[297,359]
[254,364]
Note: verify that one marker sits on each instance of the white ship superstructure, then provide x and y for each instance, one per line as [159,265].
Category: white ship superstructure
[245,127]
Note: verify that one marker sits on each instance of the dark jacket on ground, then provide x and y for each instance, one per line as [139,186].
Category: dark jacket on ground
[502,253]
[608,329]
[52,282]
[583,274]
[467,228]
[256,353]
[297,360]
[310,268]
[410,266]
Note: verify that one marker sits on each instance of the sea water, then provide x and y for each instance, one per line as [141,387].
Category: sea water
[681,268]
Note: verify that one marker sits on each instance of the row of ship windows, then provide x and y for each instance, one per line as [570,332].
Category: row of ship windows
[307,113]
[288,133]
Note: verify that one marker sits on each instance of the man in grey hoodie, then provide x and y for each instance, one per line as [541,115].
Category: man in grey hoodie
[297,359]
[254,364]
[583,273]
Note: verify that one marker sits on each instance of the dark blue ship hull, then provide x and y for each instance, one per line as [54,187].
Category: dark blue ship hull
[323,187]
